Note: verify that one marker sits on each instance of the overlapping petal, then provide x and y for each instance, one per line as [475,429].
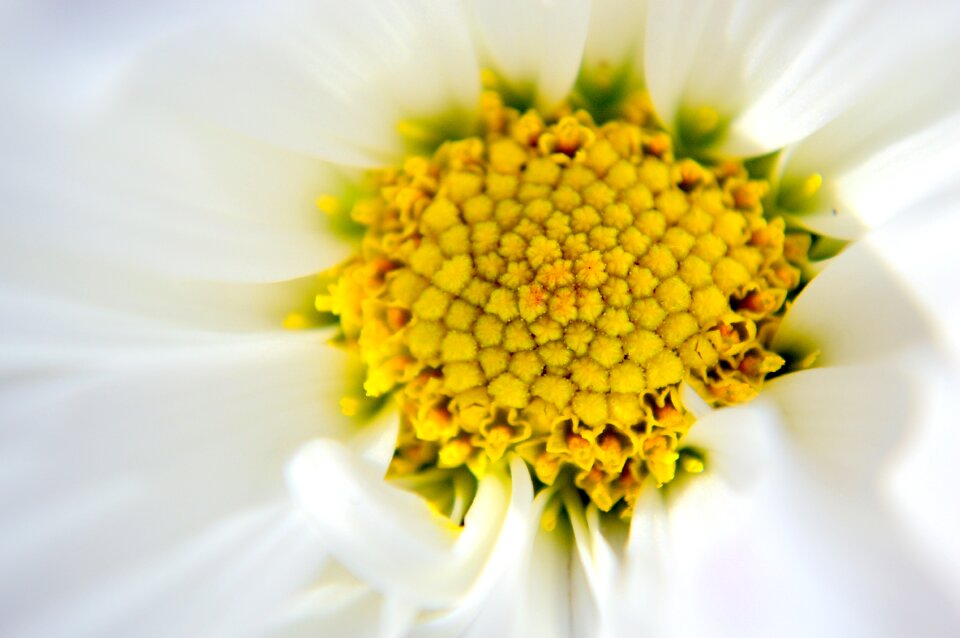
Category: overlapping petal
[147,419]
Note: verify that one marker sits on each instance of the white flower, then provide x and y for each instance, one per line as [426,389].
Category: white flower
[173,463]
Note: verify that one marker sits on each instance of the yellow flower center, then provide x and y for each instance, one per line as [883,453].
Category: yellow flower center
[556,288]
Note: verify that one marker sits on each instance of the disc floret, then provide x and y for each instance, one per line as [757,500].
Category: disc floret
[555,287]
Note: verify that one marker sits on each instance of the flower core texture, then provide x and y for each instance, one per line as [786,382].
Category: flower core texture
[556,288]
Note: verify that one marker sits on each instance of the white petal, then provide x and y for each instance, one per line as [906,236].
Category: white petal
[110,479]
[794,550]
[616,33]
[533,43]
[141,193]
[64,56]
[594,573]
[723,55]
[779,70]
[849,421]
[645,570]
[515,594]
[857,310]
[892,149]
[584,612]
[328,79]
[388,536]
[335,610]
[548,594]
[922,481]
[738,442]
[227,580]
[919,245]
[607,574]
[340,605]
[803,559]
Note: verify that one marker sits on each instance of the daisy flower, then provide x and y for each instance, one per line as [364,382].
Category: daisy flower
[479,318]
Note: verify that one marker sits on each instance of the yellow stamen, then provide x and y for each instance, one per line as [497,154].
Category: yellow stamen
[547,287]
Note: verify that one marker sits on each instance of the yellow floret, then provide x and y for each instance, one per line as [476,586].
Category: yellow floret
[664,369]
[459,346]
[454,274]
[589,375]
[440,215]
[462,375]
[503,304]
[484,237]
[621,175]
[406,287]
[555,390]
[455,240]
[426,259]
[462,185]
[461,315]
[488,330]
[673,295]
[590,407]
[494,361]
[542,170]
[509,391]
[730,275]
[555,354]
[605,350]
[708,304]
[424,339]
[432,304]
[545,287]
[646,313]
[677,327]
[542,251]
[506,156]
[642,345]
[696,272]
[566,199]
[615,322]
[516,337]
[526,366]
[590,269]
[627,377]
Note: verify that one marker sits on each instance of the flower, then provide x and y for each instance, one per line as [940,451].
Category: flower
[162,467]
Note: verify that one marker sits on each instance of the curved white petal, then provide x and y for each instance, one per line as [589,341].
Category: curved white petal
[738,442]
[522,587]
[920,246]
[627,577]
[631,577]
[340,607]
[389,537]
[849,421]
[802,558]
[548,587]
[616,34]
[68,57]
[791,551]
[596,571]
[778,70]
[856,311]
[921,483]
[584,612]
[533,44]
[123,487]
[227,580]
[329,79]
[136,192]
[892,149]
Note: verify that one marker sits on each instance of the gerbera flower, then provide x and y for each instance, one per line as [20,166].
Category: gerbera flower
[177,462]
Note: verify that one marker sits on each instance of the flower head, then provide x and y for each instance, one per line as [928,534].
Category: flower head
[656,339]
